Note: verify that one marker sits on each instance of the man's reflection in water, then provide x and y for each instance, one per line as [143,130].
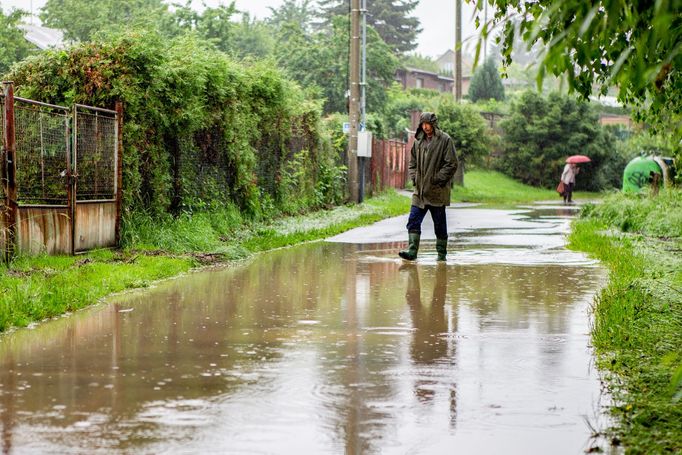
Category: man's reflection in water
[429,345]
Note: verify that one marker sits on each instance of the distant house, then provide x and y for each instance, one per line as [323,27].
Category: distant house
[416,78]
[616,119]
[446,65]
[446,62]
[43,37]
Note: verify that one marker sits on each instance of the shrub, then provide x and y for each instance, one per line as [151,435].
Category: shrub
[200,130]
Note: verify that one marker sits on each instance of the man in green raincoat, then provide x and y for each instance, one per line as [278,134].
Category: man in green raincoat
[433,162]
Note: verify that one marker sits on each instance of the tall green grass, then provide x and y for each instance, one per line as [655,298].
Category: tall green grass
[35,288]
[659,216]
[638,316]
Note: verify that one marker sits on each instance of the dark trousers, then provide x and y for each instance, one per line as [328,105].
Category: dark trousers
[568,192]
[414,222]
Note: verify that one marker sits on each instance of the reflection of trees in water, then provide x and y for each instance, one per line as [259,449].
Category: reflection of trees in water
[243,318]
[236,319]
[514,297]
[7,412]
[359,367]
[527,300]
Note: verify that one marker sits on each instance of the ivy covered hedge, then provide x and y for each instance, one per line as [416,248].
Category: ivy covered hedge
[200,130]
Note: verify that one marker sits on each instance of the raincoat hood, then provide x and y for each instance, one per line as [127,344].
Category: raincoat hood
[428,117]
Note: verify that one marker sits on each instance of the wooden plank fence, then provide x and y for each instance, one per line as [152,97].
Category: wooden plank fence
[388,165]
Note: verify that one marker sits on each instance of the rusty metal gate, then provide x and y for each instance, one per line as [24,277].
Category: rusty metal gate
[60,175]
[95,182]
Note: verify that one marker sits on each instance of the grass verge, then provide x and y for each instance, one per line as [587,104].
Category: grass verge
[637,330]
[36,288]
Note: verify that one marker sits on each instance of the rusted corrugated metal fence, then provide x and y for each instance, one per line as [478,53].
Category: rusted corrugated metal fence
[61,176]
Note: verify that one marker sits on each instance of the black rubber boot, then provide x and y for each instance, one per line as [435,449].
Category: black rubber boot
[442,248]
[413,246]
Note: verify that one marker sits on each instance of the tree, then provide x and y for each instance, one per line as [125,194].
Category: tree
[212,24]
[291,12]
[634,46]
[13,45]
[390,18]
[486,83]
[252,38]
[541,132]
[468,131]
[81,19]
[321,62]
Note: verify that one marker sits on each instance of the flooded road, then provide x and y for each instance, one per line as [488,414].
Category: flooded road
[328,348]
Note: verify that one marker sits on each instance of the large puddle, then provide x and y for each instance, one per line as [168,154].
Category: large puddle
[328,348]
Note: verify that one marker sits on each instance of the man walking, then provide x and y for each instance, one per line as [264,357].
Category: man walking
[433,162]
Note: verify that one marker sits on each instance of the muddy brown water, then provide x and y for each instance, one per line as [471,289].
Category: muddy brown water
[328,348]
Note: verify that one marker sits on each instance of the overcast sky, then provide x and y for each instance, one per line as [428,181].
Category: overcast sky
[437,18]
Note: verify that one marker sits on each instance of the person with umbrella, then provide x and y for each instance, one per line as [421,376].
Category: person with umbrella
[571,169]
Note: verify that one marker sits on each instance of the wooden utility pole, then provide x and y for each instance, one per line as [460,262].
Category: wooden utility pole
[354,101]
[458,50]
[363,94]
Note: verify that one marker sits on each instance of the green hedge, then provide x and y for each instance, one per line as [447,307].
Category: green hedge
[200,130]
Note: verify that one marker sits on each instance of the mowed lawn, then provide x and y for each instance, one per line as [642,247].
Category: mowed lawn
[496,188]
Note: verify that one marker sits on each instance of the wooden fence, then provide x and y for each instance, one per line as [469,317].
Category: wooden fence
[388,165]
[61,176]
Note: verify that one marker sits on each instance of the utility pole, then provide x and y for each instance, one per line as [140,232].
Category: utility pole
[363,95]
[458,50]
[354,101]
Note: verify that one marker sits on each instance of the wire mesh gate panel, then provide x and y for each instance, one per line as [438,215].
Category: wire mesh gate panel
[95,164]
[66,188]
[95,160]
[42,141]
[42,148]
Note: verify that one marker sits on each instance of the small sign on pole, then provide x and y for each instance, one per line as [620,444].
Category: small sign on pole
[365,144]
[346,127]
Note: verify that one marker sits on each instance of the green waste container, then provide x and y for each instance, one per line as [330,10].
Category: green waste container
[637,174]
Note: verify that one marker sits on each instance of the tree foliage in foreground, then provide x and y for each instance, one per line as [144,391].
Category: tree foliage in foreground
[636,46]
[541,132]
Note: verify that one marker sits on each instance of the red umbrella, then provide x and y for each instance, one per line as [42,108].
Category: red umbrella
[576,159]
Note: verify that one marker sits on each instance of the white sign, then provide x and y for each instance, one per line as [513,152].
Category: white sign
[365,144]
[346,127]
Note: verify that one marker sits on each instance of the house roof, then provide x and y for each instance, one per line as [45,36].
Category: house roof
[430,73]
[43,37]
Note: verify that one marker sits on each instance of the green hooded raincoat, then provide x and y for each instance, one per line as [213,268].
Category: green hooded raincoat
[432,165]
